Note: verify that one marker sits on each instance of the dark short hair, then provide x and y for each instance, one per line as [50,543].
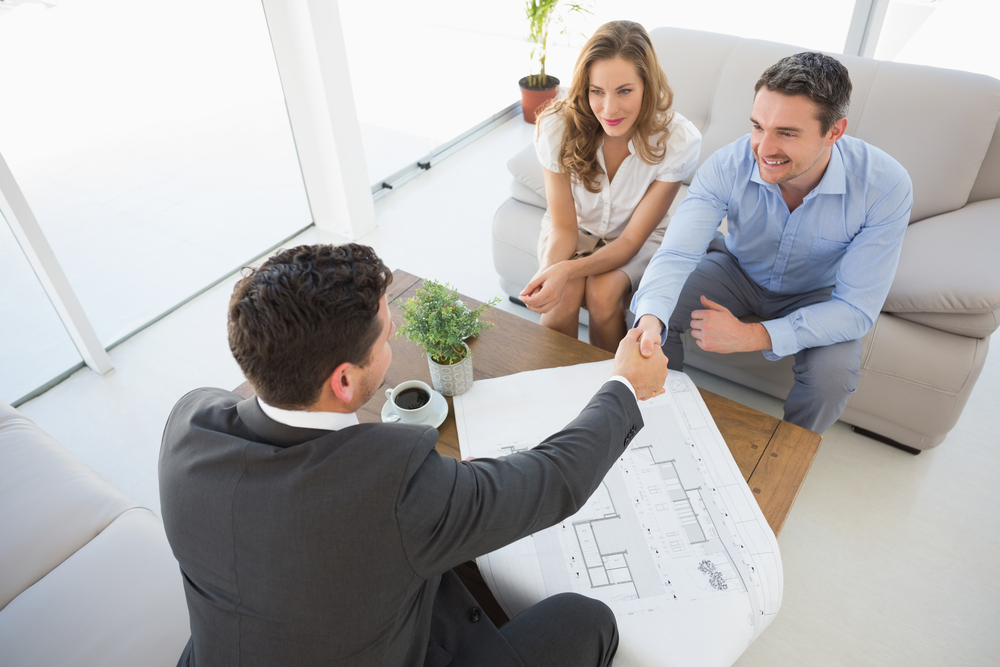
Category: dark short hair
[824,80]
[304,312]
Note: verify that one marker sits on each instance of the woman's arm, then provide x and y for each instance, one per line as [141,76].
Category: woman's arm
[545,289]
[562,210]
[647,215]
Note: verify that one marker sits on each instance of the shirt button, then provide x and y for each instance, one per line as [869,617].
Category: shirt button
[474,614]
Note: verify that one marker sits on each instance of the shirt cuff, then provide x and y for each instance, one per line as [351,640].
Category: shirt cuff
[663,328]
[782,339]
[626,383]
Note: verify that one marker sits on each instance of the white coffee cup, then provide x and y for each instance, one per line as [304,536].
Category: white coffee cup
[406,397]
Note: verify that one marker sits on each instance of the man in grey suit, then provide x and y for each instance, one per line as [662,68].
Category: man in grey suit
[307,538]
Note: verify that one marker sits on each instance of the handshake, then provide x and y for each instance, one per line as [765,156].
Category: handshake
[647,372]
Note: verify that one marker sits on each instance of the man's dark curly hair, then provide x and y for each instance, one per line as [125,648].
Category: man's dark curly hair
[304,312]
[824,80]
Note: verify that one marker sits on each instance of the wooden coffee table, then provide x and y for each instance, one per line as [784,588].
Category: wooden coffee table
[773,455]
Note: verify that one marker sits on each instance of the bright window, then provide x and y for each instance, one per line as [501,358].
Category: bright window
[152,143]
[957,34]
[34,346]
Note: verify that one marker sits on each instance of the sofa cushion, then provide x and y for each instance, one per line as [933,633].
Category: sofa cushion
[945,281]
[526,195]
[117,602]
[40,528]
[528,184]
[516,226]
[988,183]
[694,87]
[943,157]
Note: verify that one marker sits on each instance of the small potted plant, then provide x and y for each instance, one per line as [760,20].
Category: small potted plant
[436,319]
[537,90]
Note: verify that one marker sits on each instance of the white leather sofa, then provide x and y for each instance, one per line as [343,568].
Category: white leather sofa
[86,574]
[927,348]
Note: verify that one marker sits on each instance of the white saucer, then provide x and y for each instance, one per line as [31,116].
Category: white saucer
[439,410]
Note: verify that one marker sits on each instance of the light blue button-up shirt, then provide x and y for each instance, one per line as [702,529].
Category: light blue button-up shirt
[847,233]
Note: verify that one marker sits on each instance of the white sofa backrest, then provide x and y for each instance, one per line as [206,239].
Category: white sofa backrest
[988,184]
[937,123]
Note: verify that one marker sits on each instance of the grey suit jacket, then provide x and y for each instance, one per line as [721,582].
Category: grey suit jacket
[303,547]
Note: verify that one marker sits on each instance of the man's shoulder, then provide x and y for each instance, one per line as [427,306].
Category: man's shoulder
[870,163]
[203,411]
[419,436]
[204,399]
[734,158]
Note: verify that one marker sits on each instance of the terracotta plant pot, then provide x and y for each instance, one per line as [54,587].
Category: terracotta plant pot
[534,100]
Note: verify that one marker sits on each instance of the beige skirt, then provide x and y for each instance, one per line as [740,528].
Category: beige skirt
[588,244]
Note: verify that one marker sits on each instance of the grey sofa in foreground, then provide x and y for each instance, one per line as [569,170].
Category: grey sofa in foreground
[86,574]
[923,356]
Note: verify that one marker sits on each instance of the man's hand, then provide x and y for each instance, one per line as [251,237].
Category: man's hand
[647,374]
[545,290]
[651,328]
[717,330]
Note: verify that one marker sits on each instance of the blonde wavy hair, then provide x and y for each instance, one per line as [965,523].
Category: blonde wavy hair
[578,155]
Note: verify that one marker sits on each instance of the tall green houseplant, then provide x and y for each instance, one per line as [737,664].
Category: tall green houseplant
[436,319]
[541,14]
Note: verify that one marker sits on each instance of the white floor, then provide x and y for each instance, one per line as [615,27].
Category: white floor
[889,558]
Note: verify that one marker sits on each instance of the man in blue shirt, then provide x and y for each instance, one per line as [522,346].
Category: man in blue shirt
[815,221]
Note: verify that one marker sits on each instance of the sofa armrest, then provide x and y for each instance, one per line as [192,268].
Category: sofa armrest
[53,504]
[528,185]
[948,276]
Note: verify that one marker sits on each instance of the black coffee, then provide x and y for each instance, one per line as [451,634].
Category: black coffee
[412,398]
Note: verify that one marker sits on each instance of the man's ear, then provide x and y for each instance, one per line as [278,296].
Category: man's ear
[341,382]
[837,130]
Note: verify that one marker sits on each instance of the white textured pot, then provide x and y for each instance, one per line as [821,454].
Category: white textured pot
[453,379]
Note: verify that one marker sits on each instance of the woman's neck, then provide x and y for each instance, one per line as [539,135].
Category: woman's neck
[615,151]
[619,143]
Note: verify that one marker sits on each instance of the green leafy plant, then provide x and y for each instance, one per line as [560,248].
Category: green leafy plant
[541,14]
[438,320]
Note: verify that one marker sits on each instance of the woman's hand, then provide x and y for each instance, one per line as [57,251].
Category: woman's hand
[543,292]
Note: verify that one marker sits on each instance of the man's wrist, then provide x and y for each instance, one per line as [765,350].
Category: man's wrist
[624,381]
[761,337]
[653,324]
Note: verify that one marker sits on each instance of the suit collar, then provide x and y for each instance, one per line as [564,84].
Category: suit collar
[273,432]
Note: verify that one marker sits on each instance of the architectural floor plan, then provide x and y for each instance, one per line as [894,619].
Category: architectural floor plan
[672,540]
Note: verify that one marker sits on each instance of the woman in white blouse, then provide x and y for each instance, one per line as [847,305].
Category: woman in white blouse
[614,155]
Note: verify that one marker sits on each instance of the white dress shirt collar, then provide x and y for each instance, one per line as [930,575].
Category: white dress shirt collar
[326,421]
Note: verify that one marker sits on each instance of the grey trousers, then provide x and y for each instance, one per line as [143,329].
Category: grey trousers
[825,377]
[564,630]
